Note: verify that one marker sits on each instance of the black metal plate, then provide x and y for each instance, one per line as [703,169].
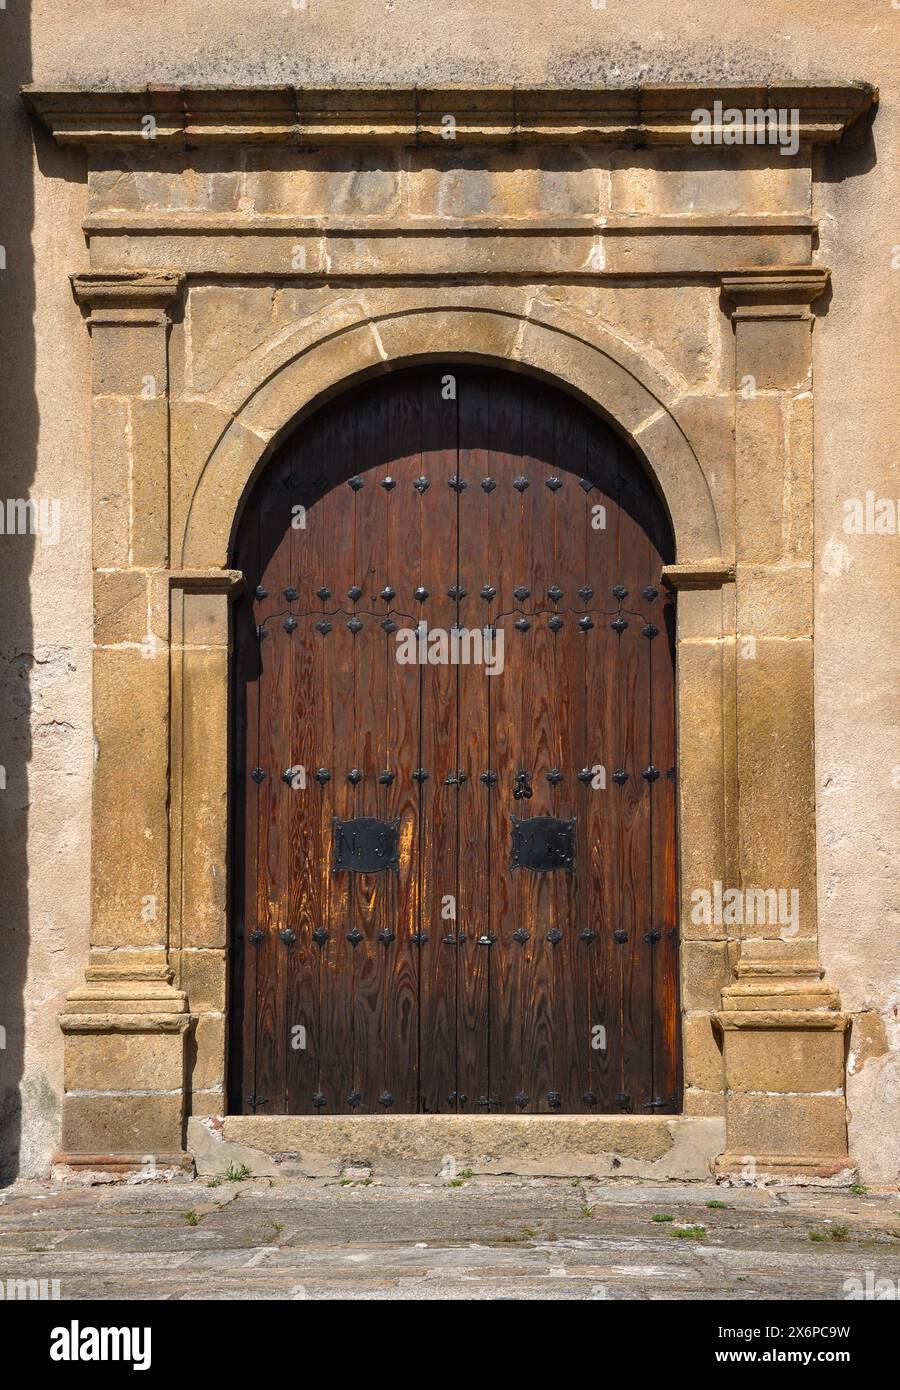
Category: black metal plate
[542,844]
[365,845]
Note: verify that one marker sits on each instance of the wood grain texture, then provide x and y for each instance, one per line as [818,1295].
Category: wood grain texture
[454,983]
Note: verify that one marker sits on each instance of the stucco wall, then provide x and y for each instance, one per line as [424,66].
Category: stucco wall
[46,733]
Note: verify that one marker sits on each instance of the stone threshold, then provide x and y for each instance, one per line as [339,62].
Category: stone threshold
[590,1146]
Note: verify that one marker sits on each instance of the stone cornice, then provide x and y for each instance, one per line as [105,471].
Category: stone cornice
[642,115]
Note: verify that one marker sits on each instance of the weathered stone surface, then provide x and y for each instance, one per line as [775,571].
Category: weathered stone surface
[707,967]
[120,606]
[129,360]
[716,180]
[776,353]
[530,1239]
[130,791]
[775,768]
[343,182]
[759,479]
[223,325]
[157,182]
[785,1060]
[206,1053]
[465,183]
[703,1065]
[111,468]
[124,1061]
[130,1124]
[787,1125]
[201,974]
[774,601]
[149,481]
[564,1145]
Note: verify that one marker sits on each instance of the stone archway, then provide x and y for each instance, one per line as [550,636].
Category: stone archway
[173,463]
[266,397]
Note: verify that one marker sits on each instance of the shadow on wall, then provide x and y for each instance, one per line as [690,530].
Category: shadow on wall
[18,410]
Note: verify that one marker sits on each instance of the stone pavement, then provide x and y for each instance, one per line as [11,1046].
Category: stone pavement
[484,1238]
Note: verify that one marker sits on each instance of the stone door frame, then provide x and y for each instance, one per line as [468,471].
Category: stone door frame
[145,1036]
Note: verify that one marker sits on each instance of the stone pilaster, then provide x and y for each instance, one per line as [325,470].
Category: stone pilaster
[781,1025]
[125,1029]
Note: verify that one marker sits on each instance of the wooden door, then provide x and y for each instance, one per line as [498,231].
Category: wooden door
[454,865]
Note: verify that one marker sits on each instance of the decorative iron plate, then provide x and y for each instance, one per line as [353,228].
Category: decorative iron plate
[365,845]
[542,844]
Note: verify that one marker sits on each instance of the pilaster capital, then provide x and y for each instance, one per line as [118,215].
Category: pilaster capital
[128,296]
[699,574]
[780,293]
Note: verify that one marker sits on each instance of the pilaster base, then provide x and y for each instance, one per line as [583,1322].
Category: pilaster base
[123,1110]
[785,1110]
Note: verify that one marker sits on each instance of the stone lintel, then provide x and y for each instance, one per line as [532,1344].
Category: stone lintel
[780,293]
[699,574]
[654,114]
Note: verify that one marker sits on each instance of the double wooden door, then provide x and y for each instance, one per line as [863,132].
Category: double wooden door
[454,849]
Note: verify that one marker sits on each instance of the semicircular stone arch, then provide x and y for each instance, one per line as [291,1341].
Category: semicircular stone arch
[279,385]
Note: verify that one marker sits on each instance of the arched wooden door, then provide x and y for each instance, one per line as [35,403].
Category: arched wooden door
[454,890]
